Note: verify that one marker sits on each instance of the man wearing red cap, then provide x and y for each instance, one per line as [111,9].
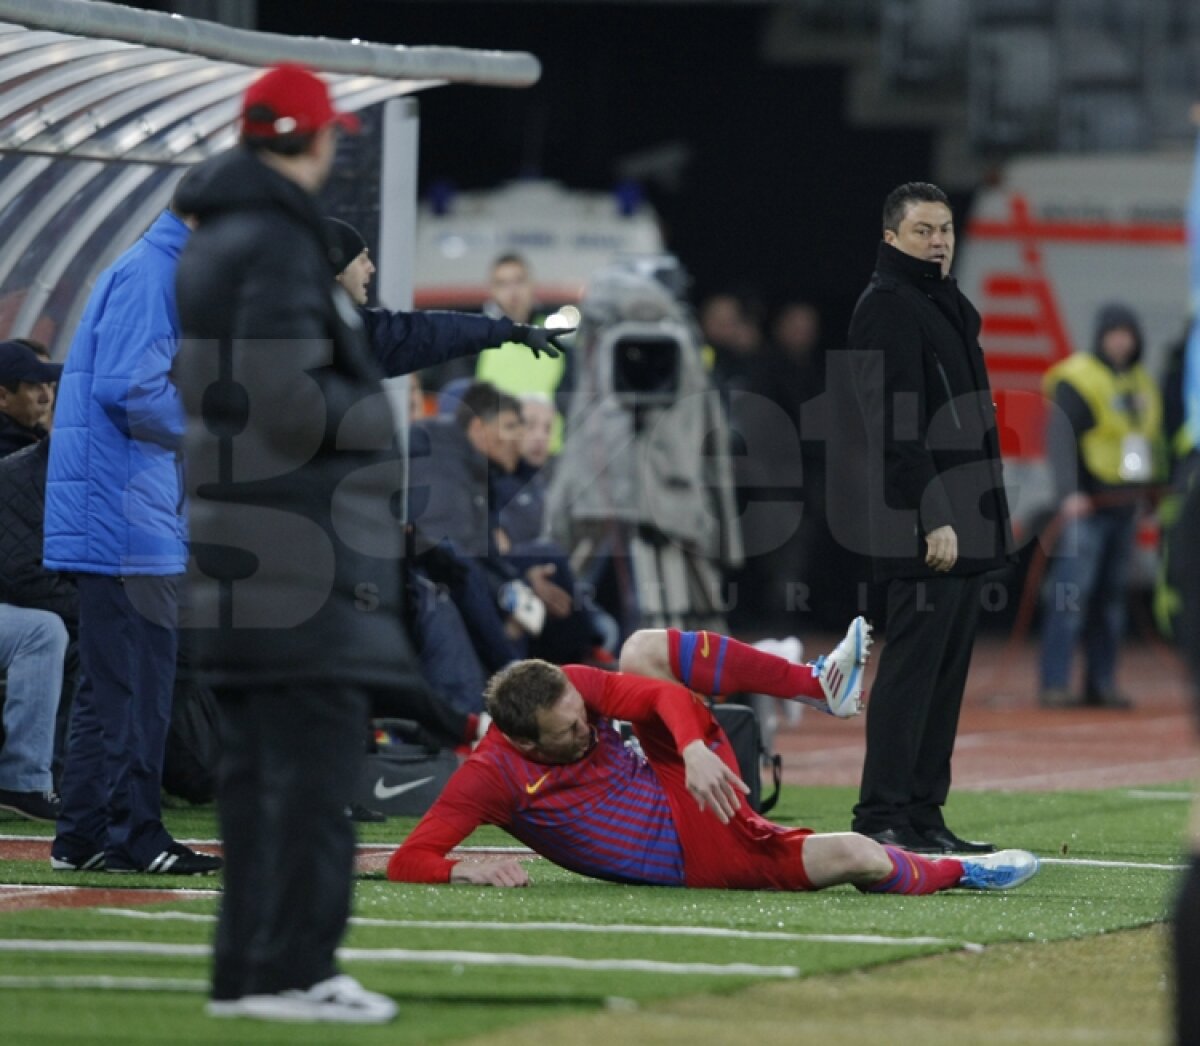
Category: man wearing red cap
[295,581]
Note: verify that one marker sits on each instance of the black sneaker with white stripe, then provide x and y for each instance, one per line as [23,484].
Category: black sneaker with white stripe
[176,859]
[35,806]
[90,863]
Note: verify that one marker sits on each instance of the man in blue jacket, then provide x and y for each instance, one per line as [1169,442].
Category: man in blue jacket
[115,518]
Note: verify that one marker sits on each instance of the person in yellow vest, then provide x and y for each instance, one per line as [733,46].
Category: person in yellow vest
[512,295]
[1105,446]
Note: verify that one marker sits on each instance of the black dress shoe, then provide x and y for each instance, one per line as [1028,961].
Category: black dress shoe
[905,838]
[942,840]
[1108,699]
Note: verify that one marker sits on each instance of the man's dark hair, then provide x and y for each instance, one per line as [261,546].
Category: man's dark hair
[484,401]
[896,204]
[510,258]
[280,144]
[516,694]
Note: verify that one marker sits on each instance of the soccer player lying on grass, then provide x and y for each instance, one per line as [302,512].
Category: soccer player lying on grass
[553,772]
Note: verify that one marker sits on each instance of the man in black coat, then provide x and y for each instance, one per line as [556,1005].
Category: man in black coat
[404,342]
[295,588]
[937,512]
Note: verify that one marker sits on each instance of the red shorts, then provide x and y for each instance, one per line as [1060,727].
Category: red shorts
[749,853]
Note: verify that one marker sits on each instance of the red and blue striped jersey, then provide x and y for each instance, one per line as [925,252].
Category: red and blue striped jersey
[608,815]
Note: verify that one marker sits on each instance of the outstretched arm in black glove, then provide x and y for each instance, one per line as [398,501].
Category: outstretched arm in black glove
[542,339]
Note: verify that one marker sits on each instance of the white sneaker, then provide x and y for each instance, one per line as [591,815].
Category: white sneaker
[841,672]
[339,998]
[999,871]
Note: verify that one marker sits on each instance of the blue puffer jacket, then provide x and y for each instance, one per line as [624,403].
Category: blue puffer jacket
[114,494]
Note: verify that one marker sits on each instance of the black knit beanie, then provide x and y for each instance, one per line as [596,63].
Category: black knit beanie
[345,244]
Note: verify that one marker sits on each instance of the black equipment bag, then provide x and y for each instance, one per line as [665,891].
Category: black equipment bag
[740,723]
[403,778]
[193,743]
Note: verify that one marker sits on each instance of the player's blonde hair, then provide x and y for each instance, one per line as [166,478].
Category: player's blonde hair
[515,694]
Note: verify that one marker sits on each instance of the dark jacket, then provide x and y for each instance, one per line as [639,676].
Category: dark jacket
[448,491]
[293,477]
[933,452]
[24,582]
[14,436]
[518,502]
[404,342]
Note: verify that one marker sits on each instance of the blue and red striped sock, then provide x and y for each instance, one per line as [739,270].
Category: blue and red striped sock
[915,874]
[713,664]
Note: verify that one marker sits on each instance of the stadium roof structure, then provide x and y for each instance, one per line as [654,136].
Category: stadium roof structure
[102,107]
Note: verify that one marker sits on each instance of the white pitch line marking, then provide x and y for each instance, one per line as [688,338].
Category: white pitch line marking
[565,927]
[36,888]
[132,984]
[134,913]
[362,847]
[407,955]
[197,951]
[563,962]
[1083,778]
[1089,862]
[1147,793]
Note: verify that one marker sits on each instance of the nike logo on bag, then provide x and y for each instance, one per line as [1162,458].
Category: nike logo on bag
[383,791]
[531,788]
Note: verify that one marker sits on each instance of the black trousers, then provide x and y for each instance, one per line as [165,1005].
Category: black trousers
[290,759]
[1185,942]
[111,780]
[912,715]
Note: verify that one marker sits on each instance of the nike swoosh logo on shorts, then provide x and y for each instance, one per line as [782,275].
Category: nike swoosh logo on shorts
[383,791]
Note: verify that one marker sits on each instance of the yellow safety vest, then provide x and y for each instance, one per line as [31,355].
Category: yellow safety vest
[1106,391]
[512,368]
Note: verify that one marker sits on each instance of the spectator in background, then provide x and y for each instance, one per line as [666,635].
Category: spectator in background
[115,519]
[33,636]
[43,354]
[1104,443]
[512,295]
[538,416]
[26,395]
[519,494]
[33,645]
[454,468]
[733,343]
[734,354]
[25,582]
[792,375]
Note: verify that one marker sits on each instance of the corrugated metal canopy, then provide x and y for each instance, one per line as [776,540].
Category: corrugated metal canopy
[102,107]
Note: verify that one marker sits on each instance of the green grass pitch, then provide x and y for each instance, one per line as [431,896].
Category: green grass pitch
[608,949]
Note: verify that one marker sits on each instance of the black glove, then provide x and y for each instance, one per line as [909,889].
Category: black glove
[542,339]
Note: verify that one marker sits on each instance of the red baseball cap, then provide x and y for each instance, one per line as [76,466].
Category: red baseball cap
[290,99]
